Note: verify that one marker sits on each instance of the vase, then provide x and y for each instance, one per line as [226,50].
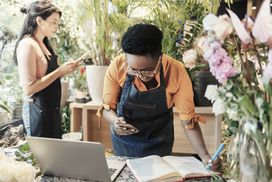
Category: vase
[95,80]
[4,117]
[200,80]
[81,94]
[248,156]
[17,110]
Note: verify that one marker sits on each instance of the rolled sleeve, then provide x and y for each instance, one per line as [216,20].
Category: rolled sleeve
[112,88]
[184,101]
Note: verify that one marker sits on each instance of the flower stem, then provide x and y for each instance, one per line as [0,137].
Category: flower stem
[238,49]
[258,56]
[248,77]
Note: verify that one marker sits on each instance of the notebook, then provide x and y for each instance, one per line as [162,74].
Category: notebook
[74,159]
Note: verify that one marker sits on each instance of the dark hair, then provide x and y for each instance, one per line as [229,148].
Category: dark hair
[143,39]
[43,9]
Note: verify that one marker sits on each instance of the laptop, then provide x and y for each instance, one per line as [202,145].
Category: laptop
[74,159]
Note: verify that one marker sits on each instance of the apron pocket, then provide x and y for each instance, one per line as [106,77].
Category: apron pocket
[132,110]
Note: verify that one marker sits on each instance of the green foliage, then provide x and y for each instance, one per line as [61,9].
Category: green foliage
[66,42]
[211,5]
[105,22]
[24,154]
[107,27]
[121,18]
[167,18]
[66,119]
[191,30]
[94,17]
[4,106]
[7,35]
[65,45]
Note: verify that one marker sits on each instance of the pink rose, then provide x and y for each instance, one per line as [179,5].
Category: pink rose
[189,58]
[202,44]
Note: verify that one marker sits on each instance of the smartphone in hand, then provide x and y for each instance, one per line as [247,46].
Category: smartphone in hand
[82,57]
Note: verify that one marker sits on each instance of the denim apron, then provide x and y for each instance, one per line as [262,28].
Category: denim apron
[44,117]
[148,112]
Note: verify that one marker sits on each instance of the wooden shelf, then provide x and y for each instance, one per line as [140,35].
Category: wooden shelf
[84,115]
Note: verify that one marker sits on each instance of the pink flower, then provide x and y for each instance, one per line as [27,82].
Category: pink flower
[222,27]
[220,63]
[225,71]
[201,43]
[262,29]
[239,28]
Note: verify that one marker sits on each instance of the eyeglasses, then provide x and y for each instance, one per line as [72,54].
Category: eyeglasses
[145,73]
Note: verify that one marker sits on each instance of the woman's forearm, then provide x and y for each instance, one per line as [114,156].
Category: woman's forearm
[42,83]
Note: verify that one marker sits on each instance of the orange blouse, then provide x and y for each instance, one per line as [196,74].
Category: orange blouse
[179,92]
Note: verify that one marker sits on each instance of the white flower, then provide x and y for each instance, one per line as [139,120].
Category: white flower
[189,58]
[229,94]
[232,114]
[211,92]
[222,27]
[218,107]
[18,171]
[250,128]
[209,21]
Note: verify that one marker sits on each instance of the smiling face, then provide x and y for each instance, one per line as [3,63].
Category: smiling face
[143,66]
[50,25]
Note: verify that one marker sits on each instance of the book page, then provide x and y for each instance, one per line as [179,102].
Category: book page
[187,166]
[151,168]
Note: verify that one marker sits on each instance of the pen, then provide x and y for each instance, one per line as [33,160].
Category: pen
[215,155]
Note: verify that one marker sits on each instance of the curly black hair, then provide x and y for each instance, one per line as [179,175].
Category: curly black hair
[142,39]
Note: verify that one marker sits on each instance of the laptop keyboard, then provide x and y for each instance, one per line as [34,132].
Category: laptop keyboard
[112,171]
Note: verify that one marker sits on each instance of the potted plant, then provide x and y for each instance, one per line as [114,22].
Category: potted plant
[101,22]
[79,78]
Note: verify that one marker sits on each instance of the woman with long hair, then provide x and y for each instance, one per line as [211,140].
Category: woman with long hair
[39,71]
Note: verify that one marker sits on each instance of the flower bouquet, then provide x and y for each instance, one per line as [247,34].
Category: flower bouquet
[239,54]
[196,66]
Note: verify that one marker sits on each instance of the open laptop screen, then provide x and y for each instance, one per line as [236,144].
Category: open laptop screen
[71,159]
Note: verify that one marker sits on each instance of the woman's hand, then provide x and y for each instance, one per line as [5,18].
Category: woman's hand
[123,129]
[68,67]
[214,164]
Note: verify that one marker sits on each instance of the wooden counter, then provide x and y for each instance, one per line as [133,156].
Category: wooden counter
[85,115]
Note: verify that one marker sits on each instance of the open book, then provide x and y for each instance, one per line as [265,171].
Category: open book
[168,168]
